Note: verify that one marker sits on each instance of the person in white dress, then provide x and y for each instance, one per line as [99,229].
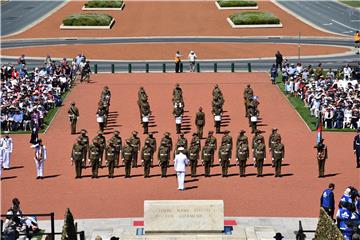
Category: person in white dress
[181,161]
[40,158]
[6,145]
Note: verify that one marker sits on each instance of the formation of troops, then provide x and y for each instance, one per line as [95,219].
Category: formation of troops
[83,153]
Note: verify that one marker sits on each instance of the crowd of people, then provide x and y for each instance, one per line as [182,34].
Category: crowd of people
[332,94]
[28,95]
[348,214]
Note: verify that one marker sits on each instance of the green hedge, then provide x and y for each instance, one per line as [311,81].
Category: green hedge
[326,229]
[104,4]
[88,19]
[236,3]
[246,18]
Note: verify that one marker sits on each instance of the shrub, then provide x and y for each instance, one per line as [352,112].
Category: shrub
[236,3]
[88,19]
[326,229]
[104,4]
[246,18]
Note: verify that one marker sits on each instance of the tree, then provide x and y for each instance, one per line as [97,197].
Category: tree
[69,230]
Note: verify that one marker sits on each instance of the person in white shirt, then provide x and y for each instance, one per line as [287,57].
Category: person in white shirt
[347,72]
[192,57]
[181,161]
[6,145]
[40,158]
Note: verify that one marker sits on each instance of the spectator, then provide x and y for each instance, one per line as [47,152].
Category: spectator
[177,61]
[279,59]
[273,73]
[192,57]
[327,200]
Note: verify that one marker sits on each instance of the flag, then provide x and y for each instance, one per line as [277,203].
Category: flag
[319,129]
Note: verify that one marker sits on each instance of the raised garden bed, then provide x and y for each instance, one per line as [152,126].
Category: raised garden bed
[236,4]
[88,21]
[104,5]
[254,20]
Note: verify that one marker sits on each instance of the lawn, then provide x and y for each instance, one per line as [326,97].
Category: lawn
[355,4]
[251,18]
[303,111]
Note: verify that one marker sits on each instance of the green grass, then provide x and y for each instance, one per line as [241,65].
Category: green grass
[104,4]
[236,3]
[303,111]
[253,18]
[355,4]
[47,119]
[88,19]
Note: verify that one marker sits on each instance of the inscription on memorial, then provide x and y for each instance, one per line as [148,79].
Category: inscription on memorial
[199,215]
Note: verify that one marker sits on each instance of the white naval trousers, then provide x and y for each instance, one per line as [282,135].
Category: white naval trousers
[39,168]
[6,159]
[181,180]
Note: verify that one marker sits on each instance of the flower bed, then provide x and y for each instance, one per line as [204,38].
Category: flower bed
[236,4]
[88,21]
[104,4]
[253,19]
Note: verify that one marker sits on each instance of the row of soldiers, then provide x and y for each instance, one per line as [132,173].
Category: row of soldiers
[103,108]
[129,152]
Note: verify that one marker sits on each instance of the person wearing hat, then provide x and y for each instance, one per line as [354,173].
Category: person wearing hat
[94,156]
[6,148]
[192,57]
[254,141]
[224,157]
[180,163]
[101,117]
[274,136]
[100,139]
[110,158]
[117,142]
[200,122]
[40,158]
[168,141]
[321,156]
[242,155]
[135,143]
[177,61]
[242,137]
[127,154]
[213,144]
[146,158]
[356,147]
[278,236]
[163,157]
[248,94]
[77,155]
[206,156]
[217,112]
[181,142]
[227,138]
[193,154]
[152,141]
[259,156]
[73,116]
[178,114]
[253,116]
[85,142]
[277,153]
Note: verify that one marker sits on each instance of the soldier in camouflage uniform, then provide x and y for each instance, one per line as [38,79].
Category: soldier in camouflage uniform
[85,142]
[200,122]
[100,139]
[248,94]
[94,158]
[254,142]
[224,158]
[227,139]
[211,140]
[117,142]
[146,158]
[168,142]
[206,156]
[181,142]
[142,97]
[77,155]
[110,158]
[135,143]
[152,142]
[127,153]
[259,156]
[242,155]
[164,157]
[278,153]
[274,136]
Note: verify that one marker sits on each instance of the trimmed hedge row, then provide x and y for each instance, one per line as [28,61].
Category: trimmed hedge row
[104,4]
[246,18]
[236,3]
[88,19]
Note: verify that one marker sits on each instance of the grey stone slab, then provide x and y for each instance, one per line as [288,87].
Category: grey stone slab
[184,216]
